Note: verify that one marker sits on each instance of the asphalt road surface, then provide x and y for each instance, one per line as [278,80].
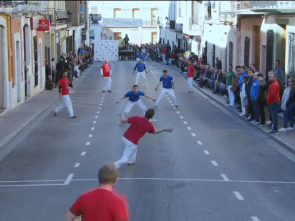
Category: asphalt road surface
[212,167]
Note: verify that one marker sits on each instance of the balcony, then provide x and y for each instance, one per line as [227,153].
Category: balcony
[121,22]
[273,6]
[149,23]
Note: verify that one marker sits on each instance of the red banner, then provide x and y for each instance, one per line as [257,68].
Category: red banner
[44,25]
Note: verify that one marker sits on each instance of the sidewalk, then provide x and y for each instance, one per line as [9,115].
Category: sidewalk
[15,122]
[285,139]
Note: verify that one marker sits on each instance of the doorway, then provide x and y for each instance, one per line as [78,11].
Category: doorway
[257,47]
[2,40]
[18,71]
[27,60]
[154,37]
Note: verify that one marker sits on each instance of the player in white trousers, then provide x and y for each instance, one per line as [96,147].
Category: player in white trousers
[134,99]
[168,88]
[140,68]
[106,74]
[64,96]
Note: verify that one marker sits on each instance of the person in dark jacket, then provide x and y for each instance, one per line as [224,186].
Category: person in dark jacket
[249,108]
[261,100]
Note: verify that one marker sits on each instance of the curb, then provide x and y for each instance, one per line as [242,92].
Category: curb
[279,141]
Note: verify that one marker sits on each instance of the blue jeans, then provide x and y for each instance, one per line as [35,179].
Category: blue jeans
[274,110]
[288,115]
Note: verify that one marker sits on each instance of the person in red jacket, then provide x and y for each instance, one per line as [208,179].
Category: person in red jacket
[273,100]
[104,203]
[191,73]
[106,74]
[163,52]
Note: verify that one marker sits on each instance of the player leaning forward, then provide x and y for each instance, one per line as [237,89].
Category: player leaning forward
[138,128]
[106,74]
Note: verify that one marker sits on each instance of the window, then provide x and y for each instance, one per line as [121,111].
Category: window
[230,53]
[117,12]
[135,13]
[247,51]
[154,16]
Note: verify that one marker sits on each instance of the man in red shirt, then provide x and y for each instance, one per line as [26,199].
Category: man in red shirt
[191,72]
[163,51]
[138,128]
[106,74]
[103,203]
[64,84]
[273,100]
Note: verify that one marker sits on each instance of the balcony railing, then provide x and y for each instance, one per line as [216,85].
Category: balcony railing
[272,4]
[149,23]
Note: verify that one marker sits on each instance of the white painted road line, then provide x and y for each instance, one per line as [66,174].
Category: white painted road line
[193,134]
[189,128]
[90,135]
[94,122]
[199,142]
[255,218]
[224,177]
[206,152]
[238,195]
[92,128]
[96,116]
[83,153]
[87,143]
[100,105]
[99,108]
[184,122]
[77,165]
[97,112]
[69,178]
[169,101]
[181,117]
[214,163]
[177,112]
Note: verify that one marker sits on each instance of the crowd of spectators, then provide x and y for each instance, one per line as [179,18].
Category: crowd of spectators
[72,62]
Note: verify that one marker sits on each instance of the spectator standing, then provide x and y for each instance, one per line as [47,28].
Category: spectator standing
[261,100]
[249,108]
[288,105]
[163,52]
[168,88]
[218,64]
[254,98]
[106,74]
[138,128]
[103,203]
[280,76]
[240,84]
[244,98]
[64,84]
[230,79]
[53,70]
[191,72]
[273,100]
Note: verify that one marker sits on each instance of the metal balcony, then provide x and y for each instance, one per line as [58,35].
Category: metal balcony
[273,6]
[149,23]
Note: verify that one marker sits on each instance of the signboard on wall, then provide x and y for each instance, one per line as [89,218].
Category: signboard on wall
[121,22]
[43,25]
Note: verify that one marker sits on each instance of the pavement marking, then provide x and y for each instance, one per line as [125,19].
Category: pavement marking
[214,163]
[206,152]
[90,135]
[99,108]
[77,165]
[96,116]
[255,218]
[172,105]
[224,177]
[238,195]
[97,112]
[193,134]
[94,122]
[100,104]
[170,101]
[184,122]
[177,112]
[83,153]
[189,128]
[87,143]
[92,128]
[199,142]
[69,178]
[181,117]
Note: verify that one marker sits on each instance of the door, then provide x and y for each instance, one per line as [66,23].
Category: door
[247,51]
[154,37]
[257,47]
[2,39]
[269,51]
[18,71]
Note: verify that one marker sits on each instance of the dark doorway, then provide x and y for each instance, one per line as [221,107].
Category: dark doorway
[230,53]
[213,56]
[269,51]
[247,51]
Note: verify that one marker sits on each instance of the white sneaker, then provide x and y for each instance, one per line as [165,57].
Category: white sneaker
[268,122]
[290,128]
[283,129]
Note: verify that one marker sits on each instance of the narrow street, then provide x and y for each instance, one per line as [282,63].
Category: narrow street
[213,166]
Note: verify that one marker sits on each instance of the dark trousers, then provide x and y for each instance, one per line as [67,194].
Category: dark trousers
[274,110]
[289,115]
[261,105]
[255,112]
